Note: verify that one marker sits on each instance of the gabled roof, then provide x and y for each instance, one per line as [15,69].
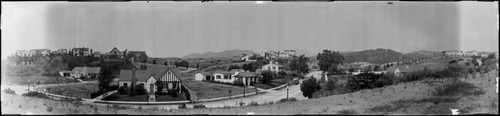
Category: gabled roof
[87,69]
[115,49]
[143,75]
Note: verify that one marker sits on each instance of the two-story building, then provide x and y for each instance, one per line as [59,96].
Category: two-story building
[81,51]
[273,66]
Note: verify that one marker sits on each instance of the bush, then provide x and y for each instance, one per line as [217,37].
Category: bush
[123,90]
[287,100]
[113,87]
[36,94]
[457,87]
[199,106]
[309,86]
[111,97]
[253,103]
[9,91]
[139,89]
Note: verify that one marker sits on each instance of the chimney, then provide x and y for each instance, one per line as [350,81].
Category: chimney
[133,78]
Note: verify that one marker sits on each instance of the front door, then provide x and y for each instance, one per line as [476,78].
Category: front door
[170,86]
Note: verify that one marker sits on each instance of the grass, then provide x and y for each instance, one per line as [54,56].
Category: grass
[78,90]
[143,98]
[23,80]
[208,90]
[263,86]
[458,88]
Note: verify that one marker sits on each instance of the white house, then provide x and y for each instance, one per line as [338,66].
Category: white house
[246,57]
[273,66]
[79,72]
[247,78]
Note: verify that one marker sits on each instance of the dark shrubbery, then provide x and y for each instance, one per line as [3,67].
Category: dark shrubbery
[113,87]
[457,88]
[139,89]
[287,100]
[35,94]
[123,90]
[309,86]
[199,106]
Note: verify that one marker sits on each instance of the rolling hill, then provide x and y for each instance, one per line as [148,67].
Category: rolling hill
[376,56]
[222,54]
[422,54]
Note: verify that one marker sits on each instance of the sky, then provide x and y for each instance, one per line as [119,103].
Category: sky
[173,29]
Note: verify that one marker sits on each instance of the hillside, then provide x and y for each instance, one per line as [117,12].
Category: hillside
[422,54]
[227,53]
[306,53]
[376,56]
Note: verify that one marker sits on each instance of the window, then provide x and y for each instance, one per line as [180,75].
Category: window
[125,84]
[227,76]
[218,77]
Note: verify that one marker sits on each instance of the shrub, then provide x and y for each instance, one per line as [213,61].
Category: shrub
[309,86]
[199,106]
[9,91]
[139,89]
[253,103]
[35,94]
[457,87]
[123,90]
[287,100]
[113,87]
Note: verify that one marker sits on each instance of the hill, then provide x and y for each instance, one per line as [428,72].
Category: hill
[306,53]
[223,54]
[422,54]
[376,56]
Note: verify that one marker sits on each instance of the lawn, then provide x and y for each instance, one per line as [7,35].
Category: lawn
[206,90]
[77,90]
[143,98]
[21,80]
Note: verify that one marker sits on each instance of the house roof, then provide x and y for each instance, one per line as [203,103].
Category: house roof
[246,74]
[143,75]
[87,69]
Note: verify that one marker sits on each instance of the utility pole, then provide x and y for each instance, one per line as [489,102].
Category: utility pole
[287,91]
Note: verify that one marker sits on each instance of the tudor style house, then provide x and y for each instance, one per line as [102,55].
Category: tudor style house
[152,79]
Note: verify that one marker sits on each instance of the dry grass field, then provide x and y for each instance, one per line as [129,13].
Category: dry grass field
[76,90]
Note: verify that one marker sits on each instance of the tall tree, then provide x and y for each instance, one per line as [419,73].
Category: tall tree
[154,61]
[165,63]
[105,78]
[329,59]
[299,64]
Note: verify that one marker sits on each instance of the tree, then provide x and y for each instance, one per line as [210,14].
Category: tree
[299,64]
[247,67]
[329,59]
[267,76]
[106,76]
[154,62]
[309,86]
[234,67]
[165,63]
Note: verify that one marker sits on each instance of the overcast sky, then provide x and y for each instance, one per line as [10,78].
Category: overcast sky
[169,29]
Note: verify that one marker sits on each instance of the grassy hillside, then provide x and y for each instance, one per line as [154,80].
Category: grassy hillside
[376,56]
